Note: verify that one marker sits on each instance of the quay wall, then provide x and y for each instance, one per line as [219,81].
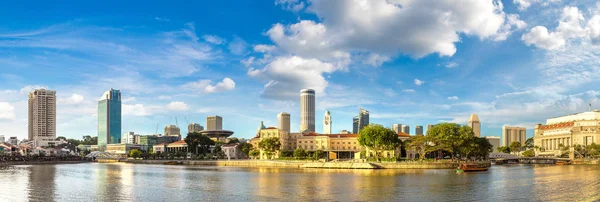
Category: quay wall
[39,162]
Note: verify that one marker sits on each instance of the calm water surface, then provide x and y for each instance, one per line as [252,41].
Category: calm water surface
[135,182]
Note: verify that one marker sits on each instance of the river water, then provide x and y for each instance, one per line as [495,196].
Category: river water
[137,182]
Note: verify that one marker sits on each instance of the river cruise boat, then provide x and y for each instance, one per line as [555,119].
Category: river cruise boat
[463,167]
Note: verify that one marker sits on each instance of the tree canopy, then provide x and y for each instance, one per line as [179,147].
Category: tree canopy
[300,153]
[270,146]
[515,146]
[378,138]
[196,140]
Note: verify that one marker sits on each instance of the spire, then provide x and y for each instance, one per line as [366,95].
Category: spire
[262,126]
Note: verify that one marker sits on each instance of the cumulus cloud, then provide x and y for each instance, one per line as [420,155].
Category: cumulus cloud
[136,110]
[213,39]
[408,90]
[177,106]
[238,46]
[286,76]
[541,38]
[292,5]
[453,98]
[7,111]
[524,4]
[73,100]
[28,89]
[451,65]
[419,82]
[206,85]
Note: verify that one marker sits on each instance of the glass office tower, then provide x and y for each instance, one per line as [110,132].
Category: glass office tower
[109,119]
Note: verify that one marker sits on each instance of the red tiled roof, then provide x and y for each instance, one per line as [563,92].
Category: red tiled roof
[401,134]
[178,142]
[558,125]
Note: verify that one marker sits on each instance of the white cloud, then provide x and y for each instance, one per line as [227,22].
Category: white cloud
[213,39]
[238,46]
[205,85]
[128,99]
[292,5]
[524,4]
[248,61]
[73,100]
[164,97]
[162,19]
[177,106]
[541,38]
[27,89]
[419,82]
[136,110]
[408,90]
[7,111]
[451,65]
[286,76]
[453,98]
[262,48]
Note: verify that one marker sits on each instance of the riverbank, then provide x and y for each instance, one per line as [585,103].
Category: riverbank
[307,164]
[10,163]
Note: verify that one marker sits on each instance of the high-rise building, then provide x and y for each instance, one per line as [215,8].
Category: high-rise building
[109,118]
[283,122]
[13,141]
[128,138]
[363,118]
[2,139]
[172,130]
[195,127]
[327,123]
[307,110]
[475,125]
[513,134]
[355,125]
[397,127]
[406,129]
[418,130]
[214,123]
[494,141]
[42,117]
[429,127]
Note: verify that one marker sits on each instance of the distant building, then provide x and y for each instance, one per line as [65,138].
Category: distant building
[475,125]
[327,123]
[345,132]
[2,139]
[570,130]
[418,130]
[42,117]
[109,119]
[513,134]
[147,140]
[429,127]
[397,127]
[494,141]
[194,127]
[406,129]
[214,123]
[307,110]
[363,119]
[128,138]
[172,130]
[283,121]
[232,151]
[13,141]
[355,125]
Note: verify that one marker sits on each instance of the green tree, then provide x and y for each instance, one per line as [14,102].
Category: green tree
[417,143]
[135,153]
[529,153]
[319,154]
[233,140]
[504,149]
[196,141]
[449,137]
[529,143]
[254,153]
[270,146]
[515,147]
[378,138]
[300,153]
[286,153]
[245,148]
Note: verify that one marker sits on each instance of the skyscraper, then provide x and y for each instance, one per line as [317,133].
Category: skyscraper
[406,129]
[418,130]
[195,127]
[429,126]
[355,125]
[283,122]
[327,123]
[214,123]
[109,118]
[363,119]
[42,117]
[307,110]
[397,127]
[513,134]
[172,130]
[475,125]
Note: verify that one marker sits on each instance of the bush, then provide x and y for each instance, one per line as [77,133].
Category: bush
[287,153]
[300,153]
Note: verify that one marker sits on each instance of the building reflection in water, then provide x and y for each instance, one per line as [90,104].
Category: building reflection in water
[41,186]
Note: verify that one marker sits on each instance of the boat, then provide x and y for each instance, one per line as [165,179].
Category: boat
[463,167]
[172,163]
[562,163]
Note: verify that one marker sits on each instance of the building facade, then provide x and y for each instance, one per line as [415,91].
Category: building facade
[429,127]
[355,125]
[128,138]
[172,130]
[418,130]
[194,127]
[513,134]
[406,129]
[214,123]
[397,127]
[475,125]
[2,138]
[494,141]
[363,119]
[571,130]
[307,110]
[109,119]
[327,123]
[42,117]
[283,121]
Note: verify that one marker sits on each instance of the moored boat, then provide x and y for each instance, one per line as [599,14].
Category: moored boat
[472,167]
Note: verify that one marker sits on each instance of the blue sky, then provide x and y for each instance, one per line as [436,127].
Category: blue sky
[411,62]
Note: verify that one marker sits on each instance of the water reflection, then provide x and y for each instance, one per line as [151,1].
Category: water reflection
[127,182]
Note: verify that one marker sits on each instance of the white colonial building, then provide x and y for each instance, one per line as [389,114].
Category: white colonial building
[571,130]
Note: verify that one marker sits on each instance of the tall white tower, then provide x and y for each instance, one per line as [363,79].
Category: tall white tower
[475,125]
[283,122]
[42,117]
[327,123]
[307,110]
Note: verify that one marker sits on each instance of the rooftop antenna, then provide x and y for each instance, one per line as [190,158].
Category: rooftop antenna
[176,124]
[156,132]
[590,109]
[186,121]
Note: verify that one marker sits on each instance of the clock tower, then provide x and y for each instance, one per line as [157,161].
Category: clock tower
[327,123]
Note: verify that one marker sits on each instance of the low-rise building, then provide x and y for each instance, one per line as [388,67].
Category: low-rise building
[177,146]
[232,151]
[122,149]
[571,130]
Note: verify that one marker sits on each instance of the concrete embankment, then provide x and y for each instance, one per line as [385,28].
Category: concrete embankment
[307,164]
[39,162]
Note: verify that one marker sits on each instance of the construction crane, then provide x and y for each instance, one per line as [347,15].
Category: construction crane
[176,124]
[156,132]
[186,121]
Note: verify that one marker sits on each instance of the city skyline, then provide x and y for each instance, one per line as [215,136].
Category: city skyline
[193,62]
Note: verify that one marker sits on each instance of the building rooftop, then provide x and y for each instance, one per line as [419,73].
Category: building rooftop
[558,125]
[473,117]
